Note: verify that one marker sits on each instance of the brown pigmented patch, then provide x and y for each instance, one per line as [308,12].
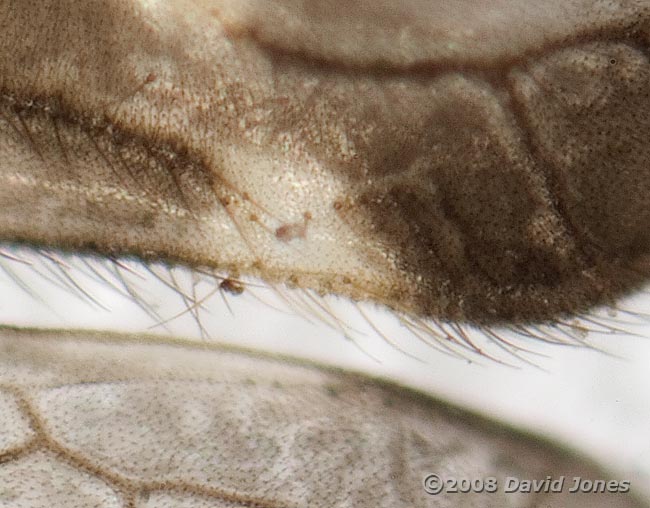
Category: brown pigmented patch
[293,231]
[232,286]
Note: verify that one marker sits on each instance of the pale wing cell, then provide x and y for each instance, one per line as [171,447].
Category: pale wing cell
[15,430]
